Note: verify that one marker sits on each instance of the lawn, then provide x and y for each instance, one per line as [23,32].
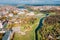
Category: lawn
[30,35]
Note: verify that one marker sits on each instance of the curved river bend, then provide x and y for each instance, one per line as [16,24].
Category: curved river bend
[39,26]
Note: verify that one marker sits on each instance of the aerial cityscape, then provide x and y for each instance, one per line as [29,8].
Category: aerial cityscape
[29,20]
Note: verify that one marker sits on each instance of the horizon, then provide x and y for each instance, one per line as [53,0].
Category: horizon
[29,2]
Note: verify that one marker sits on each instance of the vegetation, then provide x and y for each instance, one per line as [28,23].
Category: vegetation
[51,28]
[53,19]
[30,32]
[1,35]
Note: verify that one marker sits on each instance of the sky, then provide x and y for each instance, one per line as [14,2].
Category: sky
[29,1]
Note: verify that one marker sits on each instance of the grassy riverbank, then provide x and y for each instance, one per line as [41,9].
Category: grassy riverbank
[30,35]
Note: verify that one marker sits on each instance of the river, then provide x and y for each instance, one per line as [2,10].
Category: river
[39,26]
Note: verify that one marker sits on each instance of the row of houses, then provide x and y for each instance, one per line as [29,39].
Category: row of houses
[44,7]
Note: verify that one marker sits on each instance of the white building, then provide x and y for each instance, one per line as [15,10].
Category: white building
[30,14]
[16,29]
[11,15]
[21,12]
[1,26]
